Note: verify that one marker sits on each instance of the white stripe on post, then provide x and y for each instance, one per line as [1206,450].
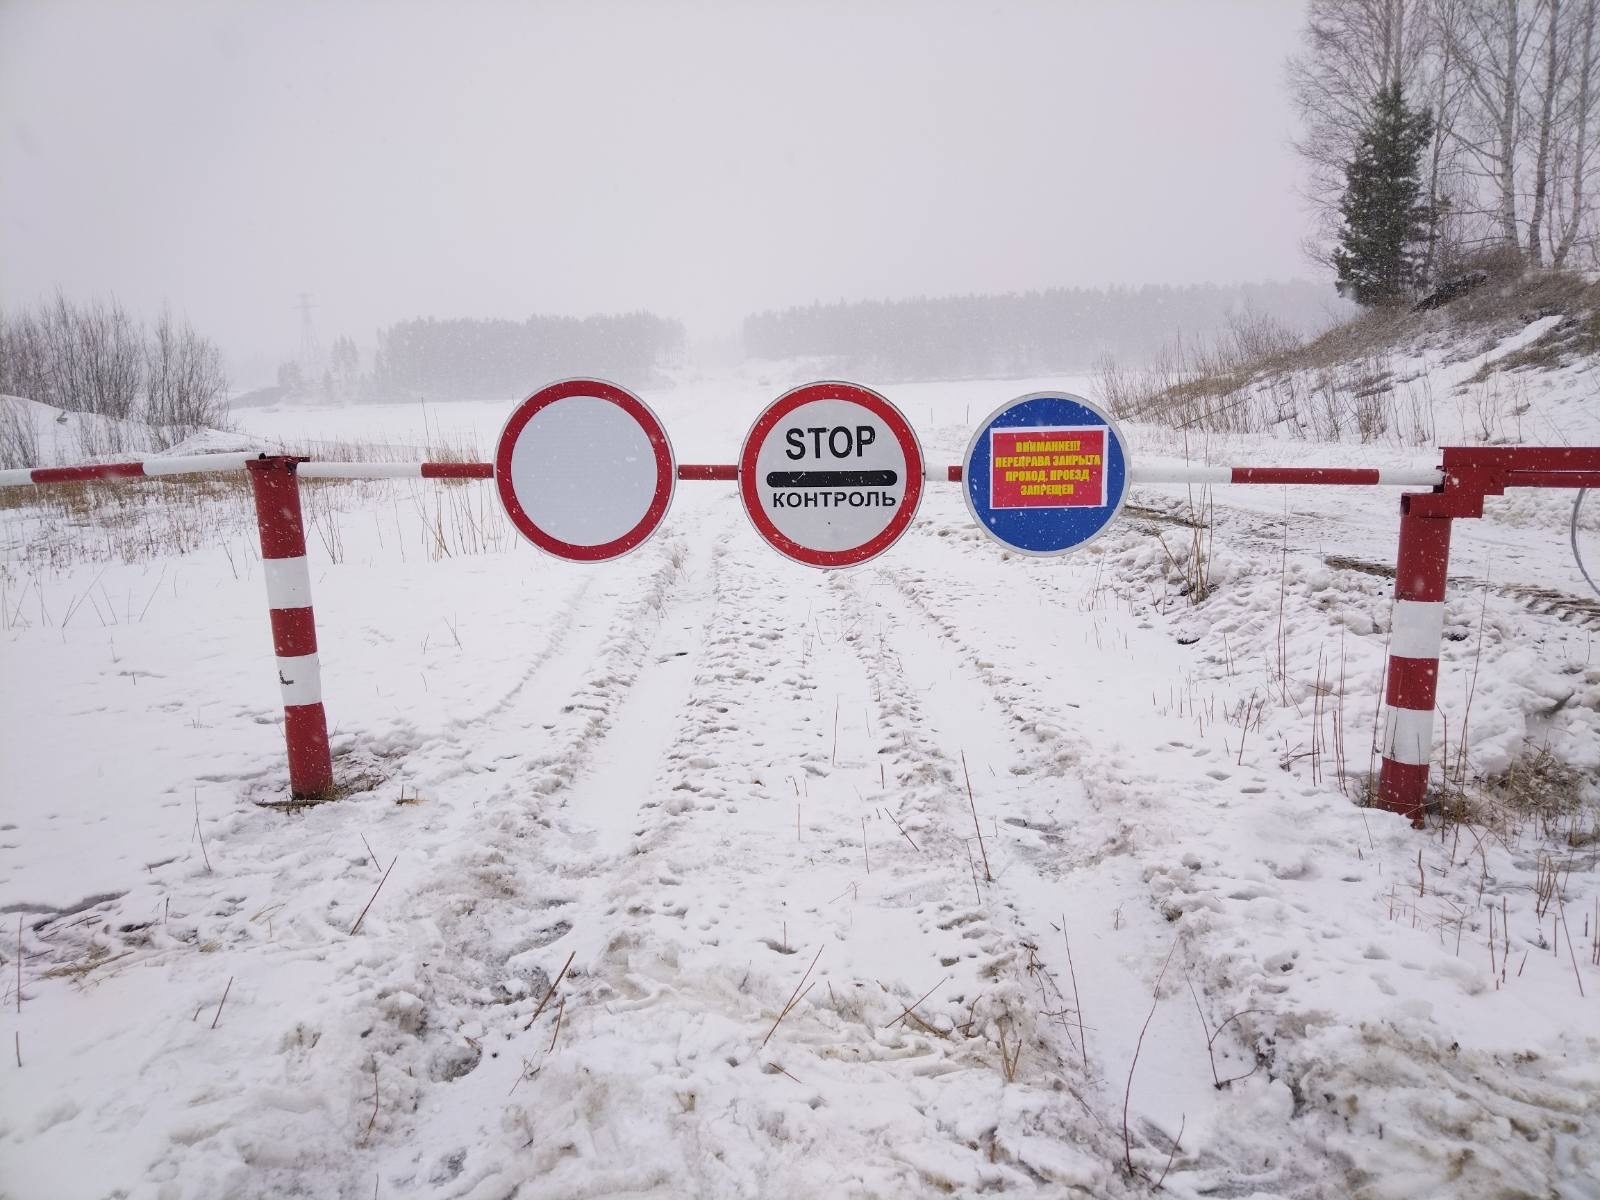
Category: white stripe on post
[16,476]
[288,582]
[300,679]
[1418,629]
[1408,735]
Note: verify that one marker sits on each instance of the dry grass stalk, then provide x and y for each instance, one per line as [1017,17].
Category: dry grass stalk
[1183,1123]
[550,991]
[1282,638]
[374,896]
[988,876]
[1009,1054]
[1077,1006]
[555,1033]
[910,1009]
[97,957]
[1127,1095]
[1211,1038]
[834,759]
[1576,974]
[373,1119]
[199,832]
[221,1002]
[864,856]
[900,827]
[794,998]
[1547,883]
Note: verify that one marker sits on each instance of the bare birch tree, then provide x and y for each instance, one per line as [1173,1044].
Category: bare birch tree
[1552,57]
[1489,40]
[1575,156]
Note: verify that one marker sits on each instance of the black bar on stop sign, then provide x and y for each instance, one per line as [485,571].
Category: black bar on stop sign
[831,479]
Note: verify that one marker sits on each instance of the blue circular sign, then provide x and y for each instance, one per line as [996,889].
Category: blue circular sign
[1045,473]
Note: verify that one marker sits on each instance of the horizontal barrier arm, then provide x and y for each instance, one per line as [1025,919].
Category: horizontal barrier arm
[1559,473]
[191,464]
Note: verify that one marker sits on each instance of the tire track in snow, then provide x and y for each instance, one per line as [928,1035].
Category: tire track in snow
[1082,844]
[1060,841]
[932,701]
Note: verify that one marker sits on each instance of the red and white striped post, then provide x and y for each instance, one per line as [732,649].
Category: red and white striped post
[1469,475]
[1415,635]
[294,628]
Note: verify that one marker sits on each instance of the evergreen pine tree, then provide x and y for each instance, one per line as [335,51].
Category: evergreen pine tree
[1384,217]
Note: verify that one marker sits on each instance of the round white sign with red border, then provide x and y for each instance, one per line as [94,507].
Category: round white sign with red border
[831,474]
[585,470]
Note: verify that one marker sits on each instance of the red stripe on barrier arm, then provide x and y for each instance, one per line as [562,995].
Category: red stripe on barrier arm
[723,471]
[131,470]
[953,474]
[283,547]
[455,470]
[1317,475]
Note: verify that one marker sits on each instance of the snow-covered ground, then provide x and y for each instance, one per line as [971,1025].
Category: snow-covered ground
[734,794]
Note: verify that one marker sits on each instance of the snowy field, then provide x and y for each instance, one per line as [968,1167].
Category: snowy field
[954,872]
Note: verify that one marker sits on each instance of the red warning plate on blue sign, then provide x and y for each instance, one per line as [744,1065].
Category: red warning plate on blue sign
[1063,467]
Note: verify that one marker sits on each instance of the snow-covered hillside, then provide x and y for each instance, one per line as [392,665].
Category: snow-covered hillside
[41,435]
[702,873]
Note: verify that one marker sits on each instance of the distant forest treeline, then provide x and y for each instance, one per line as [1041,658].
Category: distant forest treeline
[949,337]
[458,359]
[1062,329]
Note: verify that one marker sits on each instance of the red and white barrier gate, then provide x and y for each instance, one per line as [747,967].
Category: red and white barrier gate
[1467,476]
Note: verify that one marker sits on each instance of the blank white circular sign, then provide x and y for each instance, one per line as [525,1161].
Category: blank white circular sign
[585,470]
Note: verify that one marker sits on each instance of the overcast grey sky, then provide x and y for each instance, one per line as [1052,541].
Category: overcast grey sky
[697,158]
